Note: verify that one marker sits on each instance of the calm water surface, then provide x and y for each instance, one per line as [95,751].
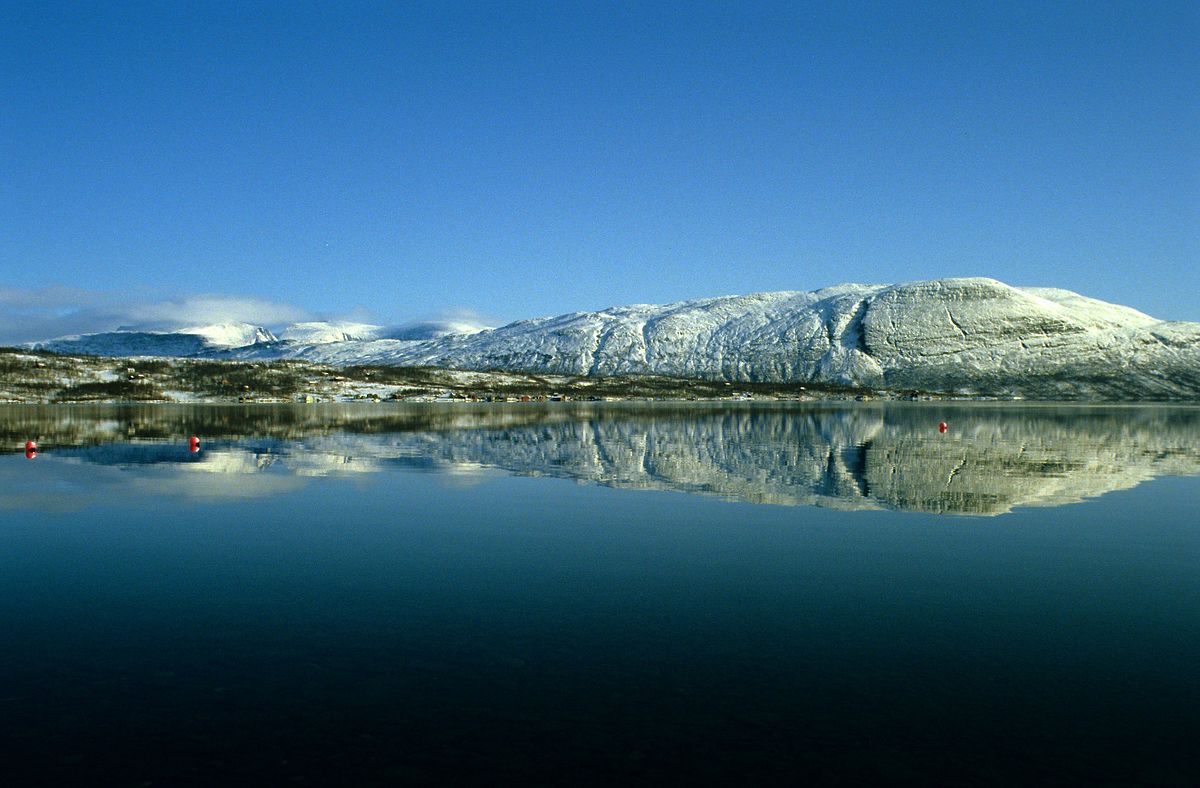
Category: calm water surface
[569,594]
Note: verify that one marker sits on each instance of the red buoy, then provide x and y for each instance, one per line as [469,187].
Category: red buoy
[30,446]
[193,444]
[942,426]
[30,454]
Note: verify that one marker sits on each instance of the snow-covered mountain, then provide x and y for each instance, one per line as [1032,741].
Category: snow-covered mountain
[230,334]
[180,342]
[432,329]
[297,340]
[324,332]
[970,336]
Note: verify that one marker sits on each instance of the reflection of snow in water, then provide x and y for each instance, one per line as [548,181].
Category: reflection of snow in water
[217,486]
[229,461]
[857,458]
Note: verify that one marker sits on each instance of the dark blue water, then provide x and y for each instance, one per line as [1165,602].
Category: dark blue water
[298,605]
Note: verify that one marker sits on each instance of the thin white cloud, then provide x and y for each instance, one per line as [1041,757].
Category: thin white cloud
[49,298]
[45,313]
[454,315]
[206,309]
[455,320]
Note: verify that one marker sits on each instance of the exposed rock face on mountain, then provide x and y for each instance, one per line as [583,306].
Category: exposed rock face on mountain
[969,336]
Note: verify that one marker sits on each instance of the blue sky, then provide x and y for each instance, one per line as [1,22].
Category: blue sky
[391,161]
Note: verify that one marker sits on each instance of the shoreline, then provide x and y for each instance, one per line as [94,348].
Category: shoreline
[44,378]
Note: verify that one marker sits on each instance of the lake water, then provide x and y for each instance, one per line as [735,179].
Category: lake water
[744,593]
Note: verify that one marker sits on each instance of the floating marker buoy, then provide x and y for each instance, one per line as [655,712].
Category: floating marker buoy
[30,454]
[30,446]
[942,426]
[193,444]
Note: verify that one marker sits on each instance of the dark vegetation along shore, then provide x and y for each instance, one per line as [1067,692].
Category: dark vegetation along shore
[45,377]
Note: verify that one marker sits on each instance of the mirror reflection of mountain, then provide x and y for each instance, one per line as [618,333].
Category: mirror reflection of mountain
[892,456]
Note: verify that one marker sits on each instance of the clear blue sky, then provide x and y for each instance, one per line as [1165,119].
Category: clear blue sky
[396,160]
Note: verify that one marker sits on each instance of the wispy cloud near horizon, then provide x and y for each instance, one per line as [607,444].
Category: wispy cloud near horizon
[34,315]
[208,309]
[30,315]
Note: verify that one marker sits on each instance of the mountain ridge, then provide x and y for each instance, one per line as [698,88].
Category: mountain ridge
[971,336]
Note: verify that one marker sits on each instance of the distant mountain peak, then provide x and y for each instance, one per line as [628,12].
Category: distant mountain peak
[319,332]
[433,329]
[230,334]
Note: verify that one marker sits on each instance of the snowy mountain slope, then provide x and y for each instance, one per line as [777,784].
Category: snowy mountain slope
[973,336]
[969,336]
[230,334]
[322,332]
[431,329]
[303,336]
[181,342]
